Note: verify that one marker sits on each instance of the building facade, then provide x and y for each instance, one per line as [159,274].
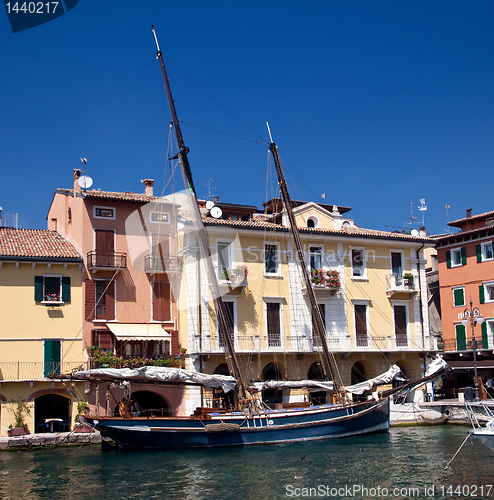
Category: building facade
[466,274]
[41,333]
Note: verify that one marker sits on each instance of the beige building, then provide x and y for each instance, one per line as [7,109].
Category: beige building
[41,327]
[370,286]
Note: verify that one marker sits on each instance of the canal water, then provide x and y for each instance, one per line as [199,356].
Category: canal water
[401,464]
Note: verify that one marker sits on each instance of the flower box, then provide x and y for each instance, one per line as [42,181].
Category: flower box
[83,428]
[325,279]
[17,431]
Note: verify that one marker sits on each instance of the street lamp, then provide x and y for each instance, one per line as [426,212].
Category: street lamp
[475,317]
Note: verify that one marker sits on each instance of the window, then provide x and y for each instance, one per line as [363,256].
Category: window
[312,221]
[456,257]
[486,292]
[52,288]
[51,357]
[397,263]
[105,300]
[488,334]
[104,213]
[273,323]
[315,257]
[484,251]
[400,317]
[230,307]
[461,338]
[316,340]
[358,262]
[224,255]
[459,296]
[361,330]
[161,301]
[159,217]
[271,258]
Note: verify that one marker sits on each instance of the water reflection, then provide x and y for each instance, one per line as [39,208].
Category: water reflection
[406,457]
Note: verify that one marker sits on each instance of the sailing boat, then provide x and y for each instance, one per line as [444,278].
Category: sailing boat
[251,423]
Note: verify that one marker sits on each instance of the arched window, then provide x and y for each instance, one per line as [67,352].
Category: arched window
[312,221]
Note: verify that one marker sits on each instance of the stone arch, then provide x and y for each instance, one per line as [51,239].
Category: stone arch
[43,392]
[272,397]
[222,369]
[220,398]
[52,405]
[271,372]
[145,403]
[408,369]
[358,373]
[315,372]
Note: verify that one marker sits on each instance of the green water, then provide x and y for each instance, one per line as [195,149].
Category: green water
[404,458]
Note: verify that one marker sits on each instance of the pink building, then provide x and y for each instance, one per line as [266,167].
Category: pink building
[129,250]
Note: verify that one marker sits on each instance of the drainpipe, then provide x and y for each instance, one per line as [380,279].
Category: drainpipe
[420,297]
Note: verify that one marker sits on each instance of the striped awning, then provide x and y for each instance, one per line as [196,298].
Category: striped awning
[139,331]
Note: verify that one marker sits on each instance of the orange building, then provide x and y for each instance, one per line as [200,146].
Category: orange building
[128,244]
[466,274]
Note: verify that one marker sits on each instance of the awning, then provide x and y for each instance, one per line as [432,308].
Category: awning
[130,331]
[467,364]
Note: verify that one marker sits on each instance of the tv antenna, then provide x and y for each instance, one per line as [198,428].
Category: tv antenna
[447,207]
[412,218]
[84,180]
[208,185]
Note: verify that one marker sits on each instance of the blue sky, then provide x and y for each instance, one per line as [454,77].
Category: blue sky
[375,104]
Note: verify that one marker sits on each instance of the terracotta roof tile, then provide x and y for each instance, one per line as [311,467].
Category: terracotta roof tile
[460,222]
[35,243]
[114,196]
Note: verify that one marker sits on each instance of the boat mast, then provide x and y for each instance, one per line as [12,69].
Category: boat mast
[224,318]
[318,322]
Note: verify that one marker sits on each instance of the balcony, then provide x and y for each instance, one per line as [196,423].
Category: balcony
[454,345]
[106,261]
[395,283]
[324,283]
[154,264]
[26,370]
[232,279]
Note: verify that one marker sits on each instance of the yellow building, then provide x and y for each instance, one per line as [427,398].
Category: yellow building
[370,286]
[40,334]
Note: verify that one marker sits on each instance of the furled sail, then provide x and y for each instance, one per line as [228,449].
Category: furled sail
[161,374]
[394,373]
[280,384]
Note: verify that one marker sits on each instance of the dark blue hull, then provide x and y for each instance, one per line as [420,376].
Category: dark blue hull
[235,429]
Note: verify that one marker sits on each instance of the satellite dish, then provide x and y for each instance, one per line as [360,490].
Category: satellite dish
[85,181]
[209,205]
[216,212]
[414,232]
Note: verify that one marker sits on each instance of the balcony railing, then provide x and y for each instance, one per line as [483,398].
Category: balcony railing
[305,344]
[155,264]
[27,370]
[454,345]
[110,261]
[396,283]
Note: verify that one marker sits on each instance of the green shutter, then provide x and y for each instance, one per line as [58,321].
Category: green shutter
[65,289]
[461,338]
[481,294]
[448,259]
[478,250]
[38,288]
[485,343]
[464,256]
[51,357]
[459,297]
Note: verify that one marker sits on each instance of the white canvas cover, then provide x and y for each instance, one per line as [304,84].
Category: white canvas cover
[280,384]
[437,365]
[163,374]
[393,373]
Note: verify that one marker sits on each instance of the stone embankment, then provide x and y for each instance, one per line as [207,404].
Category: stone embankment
[48,440]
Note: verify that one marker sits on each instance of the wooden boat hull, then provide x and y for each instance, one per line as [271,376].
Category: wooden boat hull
[235,430]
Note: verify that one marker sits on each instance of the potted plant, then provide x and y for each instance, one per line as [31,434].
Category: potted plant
[21,410]
[82,409]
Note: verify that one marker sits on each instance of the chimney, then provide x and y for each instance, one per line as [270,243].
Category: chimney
[149,186]
[216,199]
[422,231]
[77,175]
[469,213]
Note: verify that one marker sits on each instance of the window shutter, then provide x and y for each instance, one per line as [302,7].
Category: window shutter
[90,300]
[65,289]
[110,301]
[461,338]
[175,344]
[459,297]
[481,294]
[464,256]
[448,259]
[485,344]
[38,288]
[478,250]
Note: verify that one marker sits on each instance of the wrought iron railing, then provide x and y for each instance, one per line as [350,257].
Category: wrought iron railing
[27,370]
[106,260]
[397,282]
[161,264]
